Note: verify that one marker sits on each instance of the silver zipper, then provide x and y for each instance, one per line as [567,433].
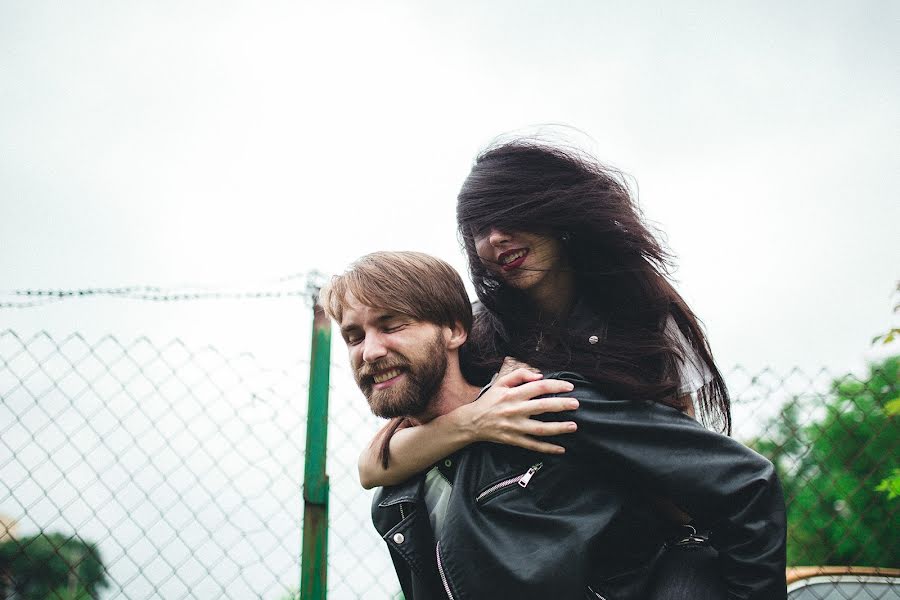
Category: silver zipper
[529,474]
[522,480]
[440,565]
[402,516]
[599,597]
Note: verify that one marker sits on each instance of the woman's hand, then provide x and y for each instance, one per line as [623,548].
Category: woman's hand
[502,414]
[510,364]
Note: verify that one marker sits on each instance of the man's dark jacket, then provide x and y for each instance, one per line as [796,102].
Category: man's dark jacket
[580,526]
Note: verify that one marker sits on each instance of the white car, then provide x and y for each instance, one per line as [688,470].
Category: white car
[843,583]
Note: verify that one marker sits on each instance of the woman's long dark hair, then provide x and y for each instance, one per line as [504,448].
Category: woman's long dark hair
[619,270]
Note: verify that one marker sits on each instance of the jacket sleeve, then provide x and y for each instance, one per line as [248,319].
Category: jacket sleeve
[716,479]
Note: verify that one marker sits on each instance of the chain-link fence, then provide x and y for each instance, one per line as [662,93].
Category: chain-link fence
[135,470]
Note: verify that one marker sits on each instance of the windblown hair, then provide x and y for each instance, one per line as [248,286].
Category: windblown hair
[409,283]
[620,271]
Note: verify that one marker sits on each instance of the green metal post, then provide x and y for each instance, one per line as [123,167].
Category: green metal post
[314,577]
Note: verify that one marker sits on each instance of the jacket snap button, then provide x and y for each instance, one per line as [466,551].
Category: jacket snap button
[399,538]
[448,462]
[593,339]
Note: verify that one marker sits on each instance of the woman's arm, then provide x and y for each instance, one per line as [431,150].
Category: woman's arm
[412,450]
[502,414]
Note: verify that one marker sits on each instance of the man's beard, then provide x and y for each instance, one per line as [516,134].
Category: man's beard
[412,395]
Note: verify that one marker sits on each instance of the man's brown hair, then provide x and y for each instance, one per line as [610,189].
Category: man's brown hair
[409,283]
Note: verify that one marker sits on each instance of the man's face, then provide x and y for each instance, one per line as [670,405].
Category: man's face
[398,362]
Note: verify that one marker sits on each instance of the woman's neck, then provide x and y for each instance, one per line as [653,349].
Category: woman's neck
[555,295]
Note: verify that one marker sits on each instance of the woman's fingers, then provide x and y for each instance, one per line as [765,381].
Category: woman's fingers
[510,364]
[516,377]
[549,405]
[543,429]
[541,387]
[529,443]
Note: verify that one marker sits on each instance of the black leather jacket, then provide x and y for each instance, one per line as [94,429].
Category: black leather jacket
[575,526]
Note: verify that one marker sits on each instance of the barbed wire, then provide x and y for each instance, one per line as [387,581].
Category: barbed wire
[310,283]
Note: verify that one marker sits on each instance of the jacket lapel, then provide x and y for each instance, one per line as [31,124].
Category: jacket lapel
[400,516]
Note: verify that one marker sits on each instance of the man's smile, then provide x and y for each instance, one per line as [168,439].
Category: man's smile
[384,379]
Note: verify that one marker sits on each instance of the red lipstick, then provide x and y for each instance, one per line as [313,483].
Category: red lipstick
[514,264]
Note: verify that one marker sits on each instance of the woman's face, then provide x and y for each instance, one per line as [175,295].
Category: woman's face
[527,261]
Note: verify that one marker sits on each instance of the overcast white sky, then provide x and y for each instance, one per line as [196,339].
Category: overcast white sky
[236,142]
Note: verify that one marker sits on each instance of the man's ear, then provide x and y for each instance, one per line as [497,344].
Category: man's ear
[455,336]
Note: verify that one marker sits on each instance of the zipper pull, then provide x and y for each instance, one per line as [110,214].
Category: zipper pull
[530,473]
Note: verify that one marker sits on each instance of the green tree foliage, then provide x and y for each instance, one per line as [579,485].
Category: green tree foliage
[891,484]
[53,566]
[831,456]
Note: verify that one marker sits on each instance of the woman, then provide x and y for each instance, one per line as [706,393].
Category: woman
[568,278]
[564,267]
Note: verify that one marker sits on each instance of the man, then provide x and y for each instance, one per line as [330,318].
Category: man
[523,525]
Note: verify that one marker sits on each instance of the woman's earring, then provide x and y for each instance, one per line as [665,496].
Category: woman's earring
[566,237]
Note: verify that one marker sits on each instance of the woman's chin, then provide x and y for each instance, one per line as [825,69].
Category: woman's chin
[523,280]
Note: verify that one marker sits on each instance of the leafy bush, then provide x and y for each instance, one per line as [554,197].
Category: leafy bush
[52,565]
[831,467]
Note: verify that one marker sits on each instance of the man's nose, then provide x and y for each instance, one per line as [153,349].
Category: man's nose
[373,348]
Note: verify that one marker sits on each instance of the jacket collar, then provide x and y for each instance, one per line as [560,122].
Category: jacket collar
[408,491]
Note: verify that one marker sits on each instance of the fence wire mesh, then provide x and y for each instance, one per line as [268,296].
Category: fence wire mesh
[135,470]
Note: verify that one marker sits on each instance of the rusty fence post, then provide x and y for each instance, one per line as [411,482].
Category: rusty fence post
[314,567]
